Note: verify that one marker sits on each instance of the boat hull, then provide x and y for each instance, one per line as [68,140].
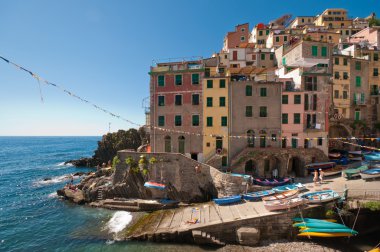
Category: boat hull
[283,204]
[228,200]
[327,235]
[255,196]
[321,197]
[289,187]
[370,174]
[282,196]
[330,230]
[154,185]
[271,182]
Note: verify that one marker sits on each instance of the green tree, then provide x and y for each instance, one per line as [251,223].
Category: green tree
[374,22]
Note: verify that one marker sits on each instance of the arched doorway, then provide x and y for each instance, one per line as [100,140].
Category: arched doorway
[250,168]
[251,138]
[295,167]
[181,144]
[168,144]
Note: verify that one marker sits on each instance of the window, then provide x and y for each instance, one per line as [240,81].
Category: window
[178,100]
[324,51]
[345,95]
[345,62]
[336,61]
[248,90]
[284,61]
[277,39]
[195,79]
[262,56]
[161,80]
[345,75]
[320,141]
[195,120]
[336,94]
[161,100]
[242,38]
[248,111]
[347,32]
[302,20]
[221,70]
[358,65]
[222,83]
[297,118]
[336,75]
[357,115]
[274,137]
[263,112]
[207,72]
[297,99]
[284,118]
[222,101]
[209,121]
[294,142]
[178,120]
[161,120]
[209,101]
[251,138]
[267,32]
[375,72]
[285,99]
[358,81]
[314,50]
[210,83]
[375,57]
[195,99]
[263,92]
[178,79]
[242,29]
[260,33]
[285,38]
[271,56]
[224,121]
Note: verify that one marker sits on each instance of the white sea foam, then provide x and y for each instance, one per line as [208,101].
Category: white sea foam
[119,221]
[63,164]
[53,195]
[52,180]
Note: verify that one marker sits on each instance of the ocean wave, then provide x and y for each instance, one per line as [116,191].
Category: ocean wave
[119,221]
[53,195]
[52,180]
[63,164]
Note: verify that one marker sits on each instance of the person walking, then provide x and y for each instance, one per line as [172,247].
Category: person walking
[321,173]
[315,179]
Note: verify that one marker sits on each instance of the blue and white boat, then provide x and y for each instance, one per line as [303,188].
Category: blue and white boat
[244,176]
[255,196]
[284,188]
[228,200]
[321,197]
[370,174]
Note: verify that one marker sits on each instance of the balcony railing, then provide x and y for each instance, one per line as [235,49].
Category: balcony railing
[179,67]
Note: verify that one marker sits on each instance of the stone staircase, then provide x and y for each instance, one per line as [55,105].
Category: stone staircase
[203,238]
[100,193]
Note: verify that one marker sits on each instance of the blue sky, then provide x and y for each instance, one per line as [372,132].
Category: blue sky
[102,51]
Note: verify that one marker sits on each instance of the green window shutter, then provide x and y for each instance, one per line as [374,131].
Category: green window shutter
[324,51]
[222,101]
[222,83]
[178,100]
[294,143]
[358,81]
[362,97]
[358,65]
[271,56]
[336,61]
[263,56]
[161,100]
[376,57]
[285,99]
[263,92]
[195,78]
[314,50]
[267,32]
[209,101]
[161,120]
[297,118]
[284,61]
[207,72]
[210,83]
[285,38]
[277,39]
[209,121]
[263,112]
[260,33]
[178,79]
[195,99]
[357,115]
[224,121]
[284,118]
[248,90]
[161,80]
[375,72]
[178,120]
[248,111]
[195,120]
[297,99]
[345,62]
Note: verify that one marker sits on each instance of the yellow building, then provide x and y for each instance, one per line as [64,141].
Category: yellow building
[215,110]
[341,85]
[333,18]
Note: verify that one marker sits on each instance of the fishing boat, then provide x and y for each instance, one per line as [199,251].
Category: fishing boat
[322,165]
[330,230]
[370,174]
[254,196]
[154,185]
[244,176]
[271,182]
[321,197]
[281,196]
[334,155]
[350,173]
[319,224]
[334,171]
[372,157]
[355,155]
[289,187]
[340,161]
[327,235]
[283,204]
[228,200]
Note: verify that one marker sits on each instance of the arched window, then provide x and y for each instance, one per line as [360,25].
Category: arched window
[251,138]
[181,144]
[168,144]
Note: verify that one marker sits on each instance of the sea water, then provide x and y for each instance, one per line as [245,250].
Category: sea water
[33,218]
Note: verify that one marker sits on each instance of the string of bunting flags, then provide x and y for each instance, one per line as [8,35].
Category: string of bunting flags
[61,88]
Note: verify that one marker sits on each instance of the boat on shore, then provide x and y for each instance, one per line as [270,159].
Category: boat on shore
[334,155]
[289,187]
[255,196]
[370,174]
[154,185]
[271,182]
[330,230]
[244,176]
[228,200]
[321,197]
[281,196]
[283,204]
[355,155]
[326,235]
[355,172]
[334,171]
[321,165]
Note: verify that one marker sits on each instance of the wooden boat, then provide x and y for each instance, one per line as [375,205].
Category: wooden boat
[319,224]
[283,204]
[327,235]
[330,230]
[257,195]
[321,197]
[355,155]
[289,187]
[271,182]
[350,173]
[154,185]
[281,196]
[334,155]
[322,165]
[370,174]
[228,200]
[334,171]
